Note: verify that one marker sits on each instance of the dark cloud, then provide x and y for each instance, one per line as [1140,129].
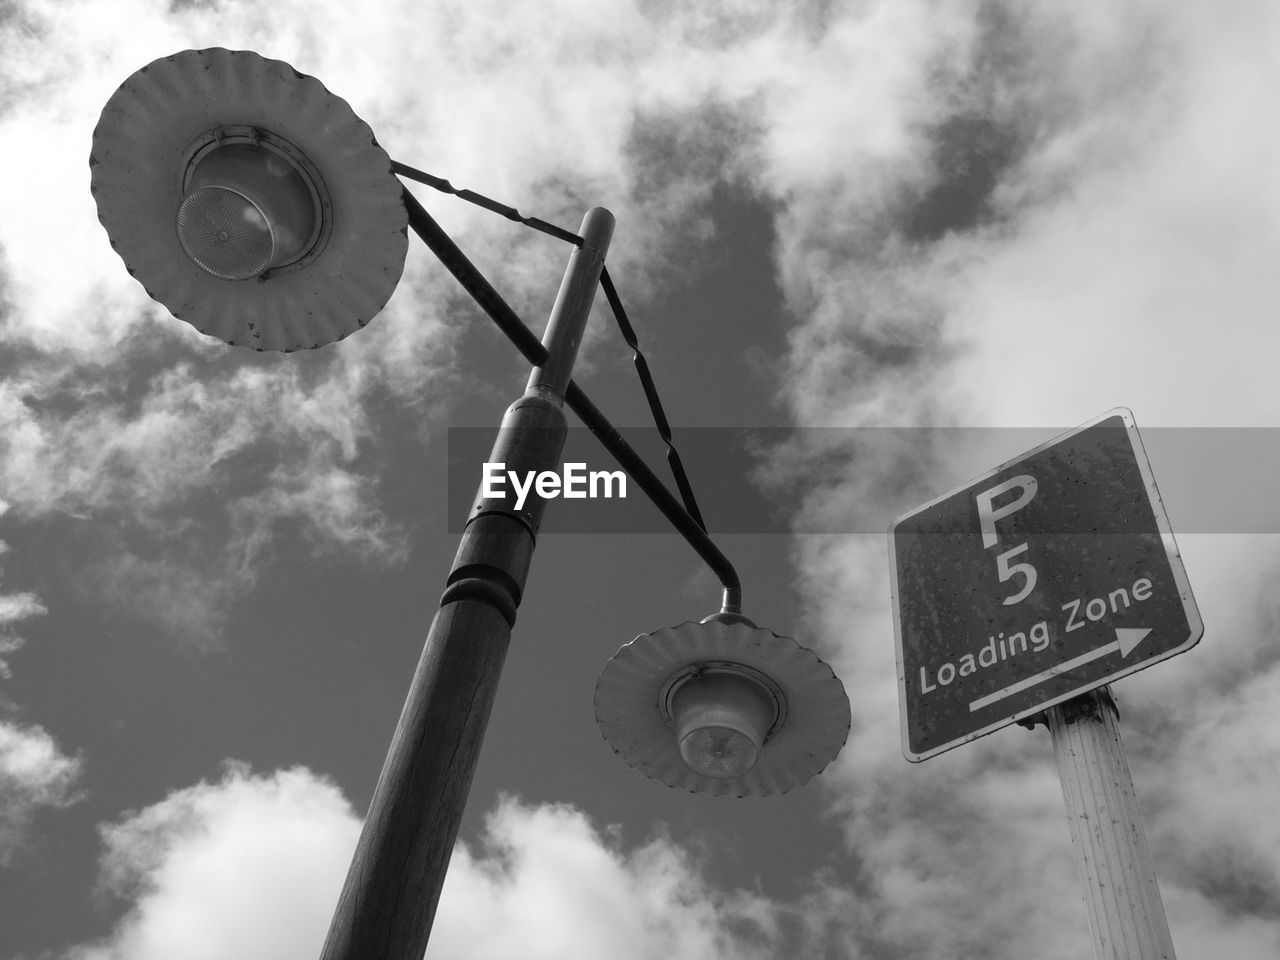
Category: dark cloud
[677,158]
[970,152]
[1242,883]
[983,134]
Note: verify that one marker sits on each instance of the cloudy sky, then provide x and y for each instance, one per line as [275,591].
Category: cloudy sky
[218,566]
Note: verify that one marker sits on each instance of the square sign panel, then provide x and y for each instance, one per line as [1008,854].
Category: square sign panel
[1051,575]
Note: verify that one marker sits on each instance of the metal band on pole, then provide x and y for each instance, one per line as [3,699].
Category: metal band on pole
[1126,914]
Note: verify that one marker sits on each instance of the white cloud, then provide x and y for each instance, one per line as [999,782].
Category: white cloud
[34,773]
[251,867]
[188,596]
[1147,272]
[257,444]
[1203,928]
[1230,855]
[248,867]
[19,606]
[14,608]
[547,884]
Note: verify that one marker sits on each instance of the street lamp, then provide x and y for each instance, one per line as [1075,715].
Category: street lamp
[722,707]
[249,200]
[258,207]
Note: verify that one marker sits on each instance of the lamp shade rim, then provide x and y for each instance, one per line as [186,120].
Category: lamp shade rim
[142,146]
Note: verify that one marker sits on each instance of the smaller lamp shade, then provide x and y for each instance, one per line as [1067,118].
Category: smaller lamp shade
[722,707]
[248,199]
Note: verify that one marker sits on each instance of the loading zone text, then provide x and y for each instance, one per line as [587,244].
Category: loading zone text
[573,483]
[1038,637]
[1015,568]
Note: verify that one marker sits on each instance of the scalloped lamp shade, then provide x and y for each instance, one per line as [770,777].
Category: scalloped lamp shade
[722,707]
[248,199]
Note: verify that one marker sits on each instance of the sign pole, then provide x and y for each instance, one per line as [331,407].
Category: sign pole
[1126,914]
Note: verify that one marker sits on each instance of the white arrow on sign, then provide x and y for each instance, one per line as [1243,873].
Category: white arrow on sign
[1126,639]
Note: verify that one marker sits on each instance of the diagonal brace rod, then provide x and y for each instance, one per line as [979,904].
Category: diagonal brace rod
[509,322]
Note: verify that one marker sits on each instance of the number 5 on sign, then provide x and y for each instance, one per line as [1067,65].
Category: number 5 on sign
[988,514]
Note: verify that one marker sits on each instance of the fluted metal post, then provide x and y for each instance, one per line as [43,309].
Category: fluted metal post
[1126,914]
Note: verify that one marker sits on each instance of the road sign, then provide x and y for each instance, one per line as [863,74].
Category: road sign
[1055,573]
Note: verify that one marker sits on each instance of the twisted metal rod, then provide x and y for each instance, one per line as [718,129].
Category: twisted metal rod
[615,304]
[502,314]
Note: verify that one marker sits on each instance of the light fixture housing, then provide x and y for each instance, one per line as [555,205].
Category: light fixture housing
[248,199]
[252,207]
[723,707]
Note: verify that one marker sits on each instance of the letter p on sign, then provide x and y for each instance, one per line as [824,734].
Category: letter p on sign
[988,515]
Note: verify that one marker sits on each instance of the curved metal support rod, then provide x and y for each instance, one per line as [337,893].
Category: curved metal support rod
[474,282]
[661,497]
[480,200]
